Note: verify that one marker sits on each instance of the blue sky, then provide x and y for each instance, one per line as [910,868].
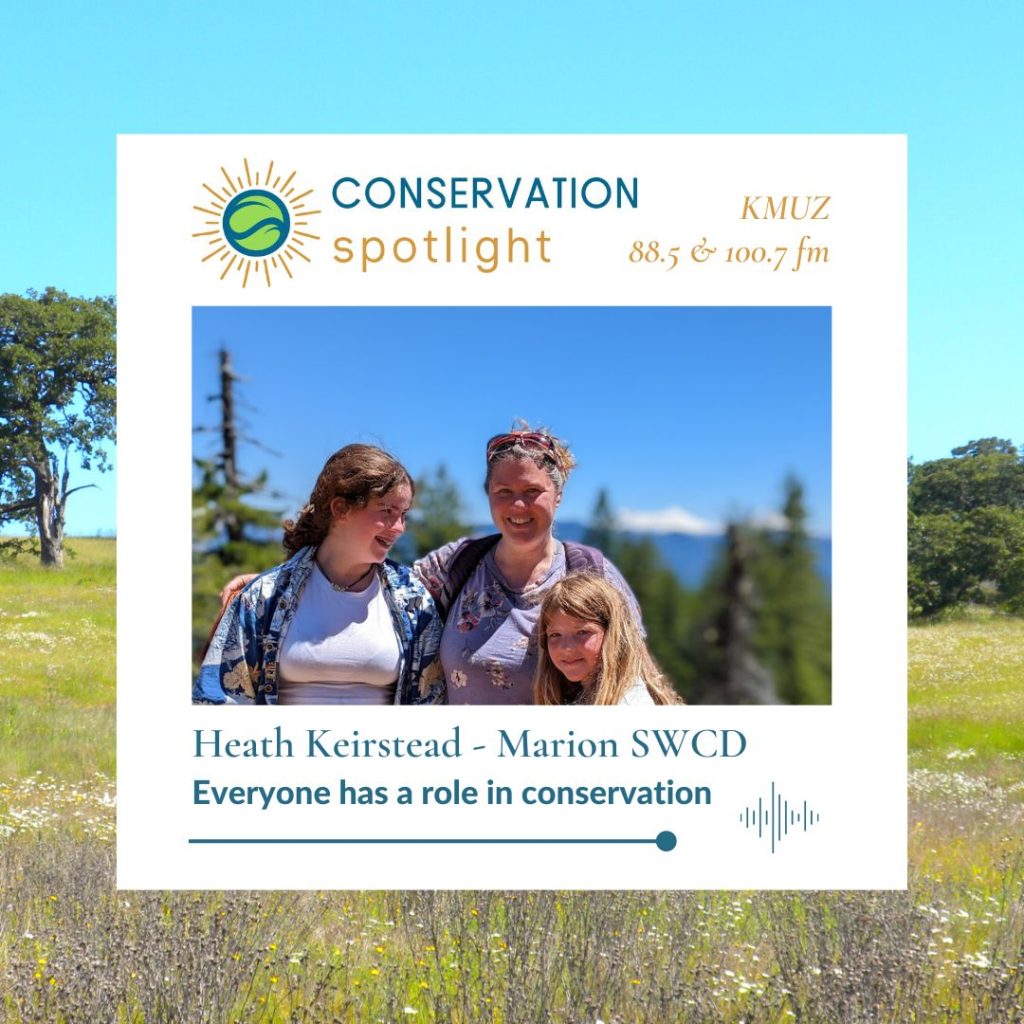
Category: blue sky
[702,409]
[949,75]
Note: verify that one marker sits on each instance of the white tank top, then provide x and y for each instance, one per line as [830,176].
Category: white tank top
[340,648]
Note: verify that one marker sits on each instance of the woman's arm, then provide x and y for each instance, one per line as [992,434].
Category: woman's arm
[419,627]
[432,568]
[618,581]
[426,649]
[234,587]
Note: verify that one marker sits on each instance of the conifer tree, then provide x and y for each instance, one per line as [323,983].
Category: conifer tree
[665,604]
[438,514]
[602,531]
[794,631]
[729,670]
[230,534]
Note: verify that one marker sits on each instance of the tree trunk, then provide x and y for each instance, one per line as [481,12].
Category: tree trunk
[49,516]
[746,680]
[229,437]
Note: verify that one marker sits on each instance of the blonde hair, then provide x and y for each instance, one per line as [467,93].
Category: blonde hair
[624,655]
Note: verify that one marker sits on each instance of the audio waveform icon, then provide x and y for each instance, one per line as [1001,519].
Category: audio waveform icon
[774,818]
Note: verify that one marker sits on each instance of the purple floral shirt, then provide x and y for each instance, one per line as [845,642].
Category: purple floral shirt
[489,644]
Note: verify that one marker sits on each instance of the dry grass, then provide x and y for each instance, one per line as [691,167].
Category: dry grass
[951,949]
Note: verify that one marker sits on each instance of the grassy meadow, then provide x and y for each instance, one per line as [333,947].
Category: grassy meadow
[72,948]
[57,640]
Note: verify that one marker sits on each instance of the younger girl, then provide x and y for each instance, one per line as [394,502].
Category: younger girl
[591,651]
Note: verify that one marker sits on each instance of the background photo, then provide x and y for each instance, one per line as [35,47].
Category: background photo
[949,947]
[702,437]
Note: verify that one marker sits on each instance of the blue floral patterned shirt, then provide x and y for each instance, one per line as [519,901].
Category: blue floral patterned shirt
[240,666]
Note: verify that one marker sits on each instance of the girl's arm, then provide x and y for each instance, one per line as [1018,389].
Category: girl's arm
[229,668]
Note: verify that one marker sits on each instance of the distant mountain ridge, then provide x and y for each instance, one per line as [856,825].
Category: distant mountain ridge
[689,555]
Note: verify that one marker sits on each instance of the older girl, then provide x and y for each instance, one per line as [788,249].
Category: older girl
[591,651]
[337,623]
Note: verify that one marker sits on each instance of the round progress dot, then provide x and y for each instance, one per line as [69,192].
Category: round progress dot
[666,841]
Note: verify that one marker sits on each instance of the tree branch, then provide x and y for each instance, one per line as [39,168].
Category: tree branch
[80,487]
[18,506]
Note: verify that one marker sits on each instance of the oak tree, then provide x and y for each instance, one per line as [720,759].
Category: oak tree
[57,406]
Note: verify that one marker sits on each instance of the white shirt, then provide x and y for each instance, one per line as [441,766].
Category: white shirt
[637,694]
[341,647]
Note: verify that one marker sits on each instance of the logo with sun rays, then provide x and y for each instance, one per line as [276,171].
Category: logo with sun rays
[256,224]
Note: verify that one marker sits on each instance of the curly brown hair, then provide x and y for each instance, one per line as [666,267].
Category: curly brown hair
[354,474]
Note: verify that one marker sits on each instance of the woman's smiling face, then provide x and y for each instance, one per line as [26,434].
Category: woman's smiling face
[523,501]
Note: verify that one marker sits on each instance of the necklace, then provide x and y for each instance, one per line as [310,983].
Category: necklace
[540,572]
[337,586]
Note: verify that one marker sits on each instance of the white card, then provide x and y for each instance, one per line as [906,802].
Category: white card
[362,231]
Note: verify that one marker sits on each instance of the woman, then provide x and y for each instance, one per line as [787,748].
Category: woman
[489,589]
[337,623]
[591,651]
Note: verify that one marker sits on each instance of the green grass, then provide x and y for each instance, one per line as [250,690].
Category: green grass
[966,695]
[966,746]
[57,673]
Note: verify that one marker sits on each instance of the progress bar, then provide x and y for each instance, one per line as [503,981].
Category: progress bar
[664,841]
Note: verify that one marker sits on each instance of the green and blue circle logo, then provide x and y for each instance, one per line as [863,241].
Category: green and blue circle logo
[256,223]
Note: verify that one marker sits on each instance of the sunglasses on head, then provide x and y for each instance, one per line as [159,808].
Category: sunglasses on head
[528,439]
